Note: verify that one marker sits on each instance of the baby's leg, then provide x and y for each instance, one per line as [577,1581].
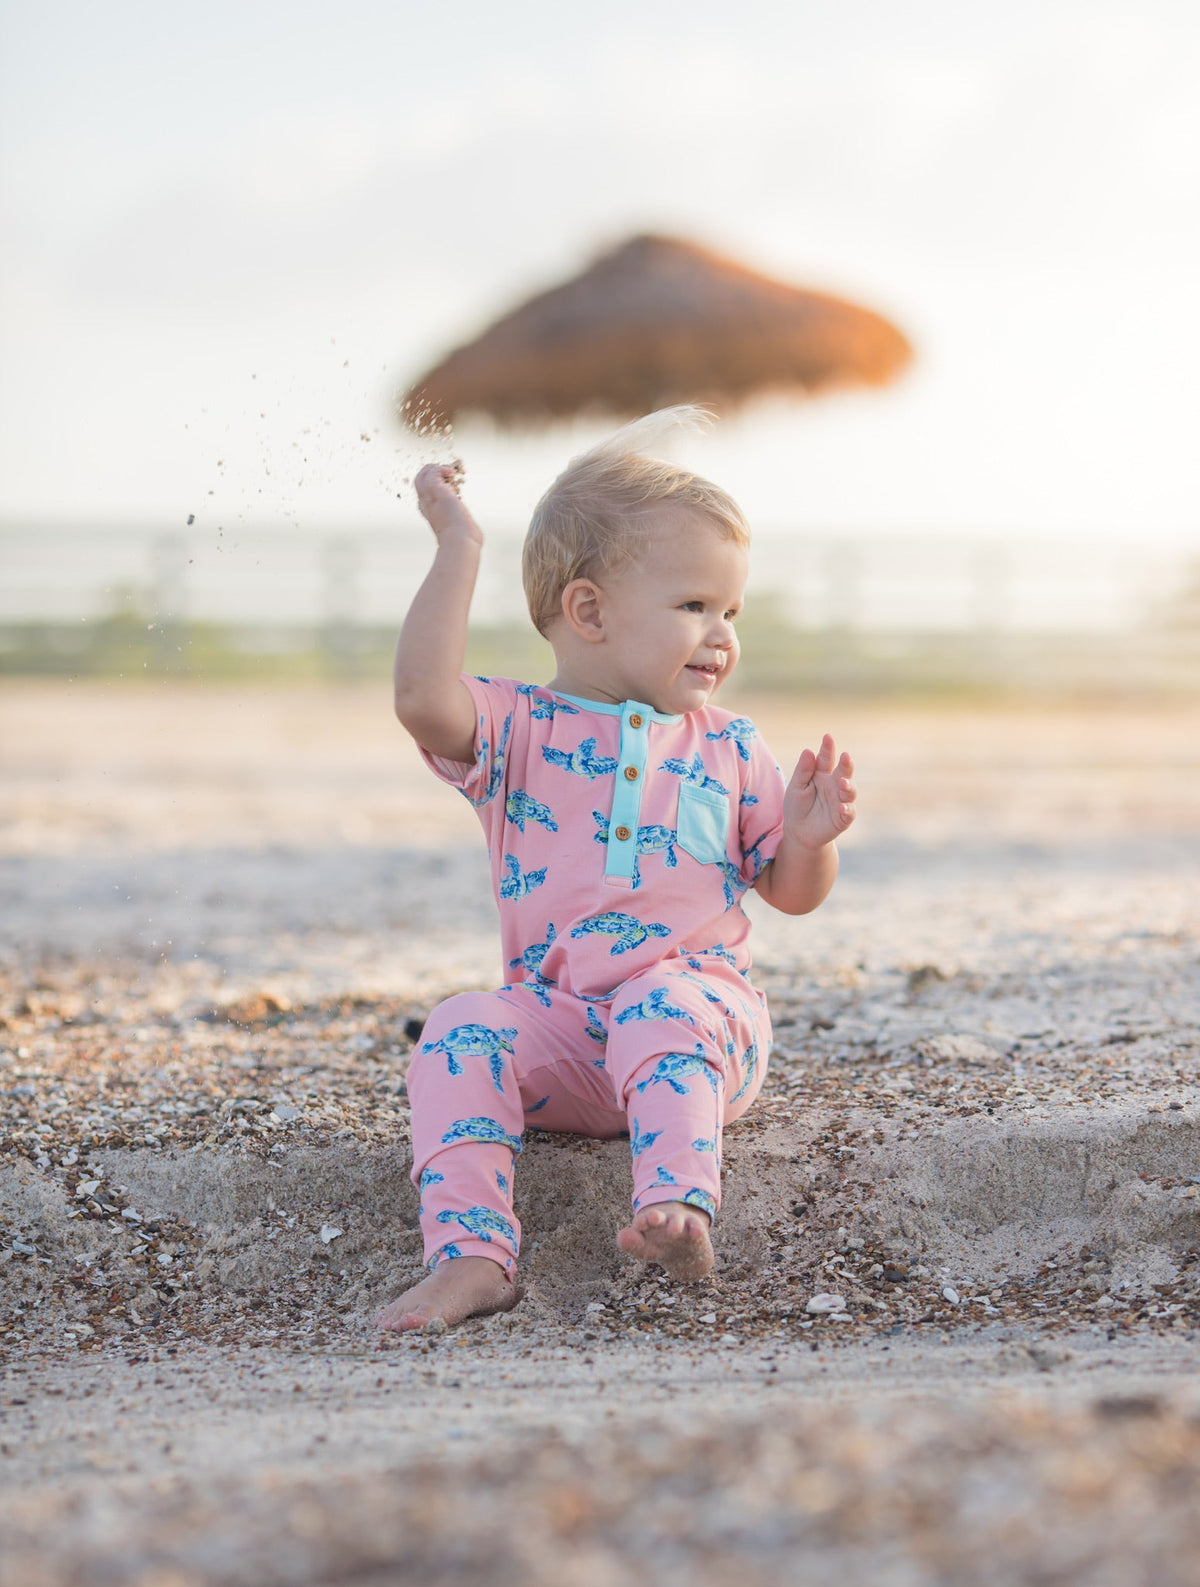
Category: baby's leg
[485,1059]
[678,1045]
[467,1118]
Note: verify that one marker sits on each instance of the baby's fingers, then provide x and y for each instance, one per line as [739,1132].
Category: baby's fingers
[435,476]
[827,754]
[805,768]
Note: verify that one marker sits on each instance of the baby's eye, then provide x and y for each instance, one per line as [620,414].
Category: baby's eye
[732,615]
[692,606]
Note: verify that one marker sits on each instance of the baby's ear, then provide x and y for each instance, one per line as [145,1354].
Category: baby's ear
[581,610]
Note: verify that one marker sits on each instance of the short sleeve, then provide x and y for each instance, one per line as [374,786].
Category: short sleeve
[760,810]
[483,778]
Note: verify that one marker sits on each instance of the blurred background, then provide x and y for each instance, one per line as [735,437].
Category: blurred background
[237,234]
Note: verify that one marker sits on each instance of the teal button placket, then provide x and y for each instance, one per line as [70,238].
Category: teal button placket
[625,816]
[627,793]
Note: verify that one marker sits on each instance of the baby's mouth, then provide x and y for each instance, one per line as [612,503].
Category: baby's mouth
[706,669]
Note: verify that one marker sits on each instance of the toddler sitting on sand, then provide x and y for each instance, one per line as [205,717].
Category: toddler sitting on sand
[626,815]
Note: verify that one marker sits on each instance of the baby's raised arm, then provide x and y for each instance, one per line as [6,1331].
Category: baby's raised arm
[431,699]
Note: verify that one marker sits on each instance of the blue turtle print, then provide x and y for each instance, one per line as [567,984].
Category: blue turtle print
[502,1183]
[751,1059]
[595,1029]
[641,1140]
[676,1067]
[521,807]
[757,864]
[429,1176]
[665,1176]
[475,1041]
[700,1144]
[655,1005]
[629,931]
[533,955]
[706,991]
[482,1129]
[518,883]
[536,1107]
[482,1222]
[702,1199]
[499,761]
[657,839]
[741,731]
[547,706]
[720,951]
[693,773]
[748,799]
[536,988]
[651,839]
[584,761]
[448,1253]
[732,884]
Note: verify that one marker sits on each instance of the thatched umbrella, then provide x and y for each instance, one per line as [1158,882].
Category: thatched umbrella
[654,322]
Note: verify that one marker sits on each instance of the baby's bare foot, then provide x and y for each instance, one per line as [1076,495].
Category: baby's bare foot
[673,1234]
[467,1286]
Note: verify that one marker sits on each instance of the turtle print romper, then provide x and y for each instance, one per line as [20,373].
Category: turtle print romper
[621,842]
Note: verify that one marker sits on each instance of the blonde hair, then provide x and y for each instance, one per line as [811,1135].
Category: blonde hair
[596,517]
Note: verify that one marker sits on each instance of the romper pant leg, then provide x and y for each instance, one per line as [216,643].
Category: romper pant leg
[687,1054]
[485,1062]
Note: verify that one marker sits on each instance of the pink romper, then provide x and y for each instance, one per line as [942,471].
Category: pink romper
[621,842]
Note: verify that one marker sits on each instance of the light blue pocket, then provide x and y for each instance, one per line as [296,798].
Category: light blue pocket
[703,823]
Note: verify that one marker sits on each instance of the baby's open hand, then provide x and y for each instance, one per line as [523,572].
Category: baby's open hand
[819,802]
[437,487]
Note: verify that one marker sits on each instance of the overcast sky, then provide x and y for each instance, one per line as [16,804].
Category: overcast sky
[233,229]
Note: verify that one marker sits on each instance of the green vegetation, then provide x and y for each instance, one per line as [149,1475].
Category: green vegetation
[776,656]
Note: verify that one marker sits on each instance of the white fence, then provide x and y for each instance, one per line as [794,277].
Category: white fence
[274,577]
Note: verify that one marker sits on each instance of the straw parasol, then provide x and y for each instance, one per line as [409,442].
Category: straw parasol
[657,321]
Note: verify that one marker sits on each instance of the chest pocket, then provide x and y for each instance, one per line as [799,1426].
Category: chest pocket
[703,823]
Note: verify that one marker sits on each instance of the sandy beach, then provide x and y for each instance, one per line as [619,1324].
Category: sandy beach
[223,914]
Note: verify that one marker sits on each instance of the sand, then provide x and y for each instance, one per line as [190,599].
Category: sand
[223,914]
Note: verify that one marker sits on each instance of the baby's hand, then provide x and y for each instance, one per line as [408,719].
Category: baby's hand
[819,802]
[441,506]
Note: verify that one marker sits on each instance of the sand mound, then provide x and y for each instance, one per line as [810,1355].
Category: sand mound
[1067,1214]
[1122,1182]
[336,1227]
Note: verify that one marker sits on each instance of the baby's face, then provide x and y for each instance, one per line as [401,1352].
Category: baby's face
[669,634]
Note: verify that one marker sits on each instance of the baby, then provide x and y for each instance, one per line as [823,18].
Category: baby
[626,815]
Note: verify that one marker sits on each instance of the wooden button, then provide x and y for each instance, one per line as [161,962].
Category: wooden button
[631,774]
[636,719]
[623,834]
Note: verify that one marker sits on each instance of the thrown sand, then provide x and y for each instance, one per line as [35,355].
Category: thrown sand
[221,914]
